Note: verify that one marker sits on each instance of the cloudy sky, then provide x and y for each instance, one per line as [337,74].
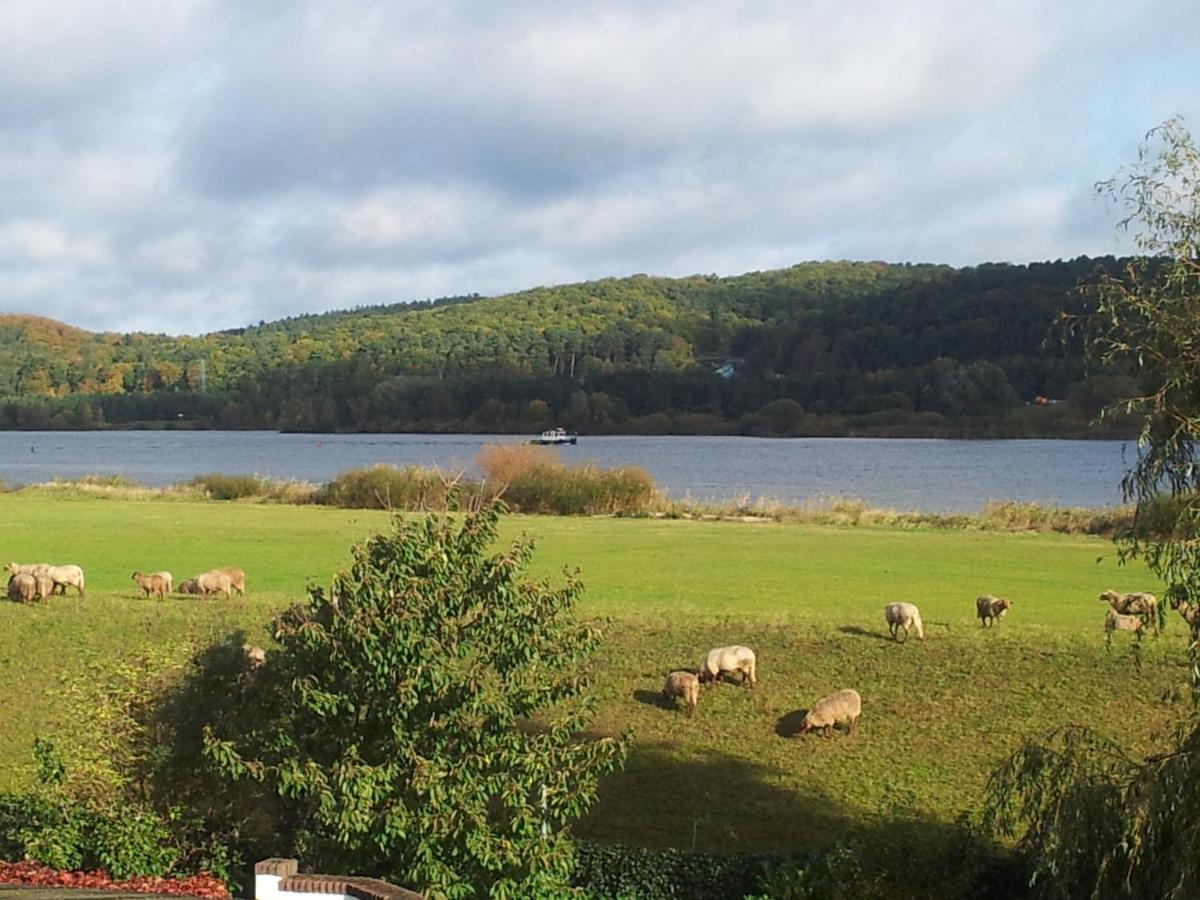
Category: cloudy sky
[191,165]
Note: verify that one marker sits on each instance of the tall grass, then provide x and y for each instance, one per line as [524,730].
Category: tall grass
[533,481]
[238,487]
[388,487]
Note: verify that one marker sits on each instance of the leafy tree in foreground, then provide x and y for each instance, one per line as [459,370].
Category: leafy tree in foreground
[429,715]
[1093,821]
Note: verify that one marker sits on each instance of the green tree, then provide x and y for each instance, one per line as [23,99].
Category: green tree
[1093,821]
[430,713]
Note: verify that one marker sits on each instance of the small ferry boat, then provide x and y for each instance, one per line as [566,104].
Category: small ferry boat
[554,436]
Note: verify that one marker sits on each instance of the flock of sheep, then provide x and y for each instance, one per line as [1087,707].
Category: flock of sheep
[37,581]
[842,706]
[1127,612]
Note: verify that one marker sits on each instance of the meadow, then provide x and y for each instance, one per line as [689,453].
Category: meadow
[937,717]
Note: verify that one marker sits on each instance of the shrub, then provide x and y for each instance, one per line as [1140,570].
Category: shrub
[533,481]
[612,871]
[388,487]
[229,487]
[402,738]
[54,826]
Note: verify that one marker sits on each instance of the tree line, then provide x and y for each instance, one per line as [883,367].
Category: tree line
[818,348]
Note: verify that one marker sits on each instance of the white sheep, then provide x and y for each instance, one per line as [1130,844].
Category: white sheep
[237,578]
[256,657]
[1138,603]
[1114,621]
[843,706]
[25,568]
[214,581]
[990,609]
[734,658]
[65,577]
[685,685]
[904,617]
[22,586]
[156,583]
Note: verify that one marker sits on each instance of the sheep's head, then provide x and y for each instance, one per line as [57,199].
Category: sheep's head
[12,568]
[806,726]
[1108,596]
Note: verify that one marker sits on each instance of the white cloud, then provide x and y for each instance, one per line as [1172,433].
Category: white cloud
[208,163]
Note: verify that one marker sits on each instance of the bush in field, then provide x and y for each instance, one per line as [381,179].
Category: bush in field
[229,487]
[388,487]
[61,827]
[533,481]
[237,487]
[429,715]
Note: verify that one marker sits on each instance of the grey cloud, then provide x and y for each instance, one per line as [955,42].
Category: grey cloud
[207,164]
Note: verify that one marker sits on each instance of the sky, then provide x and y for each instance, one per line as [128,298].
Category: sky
[193,165]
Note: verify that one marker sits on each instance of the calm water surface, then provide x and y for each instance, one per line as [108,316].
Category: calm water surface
[933,475]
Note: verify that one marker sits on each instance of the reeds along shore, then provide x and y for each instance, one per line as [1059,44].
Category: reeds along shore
[532,480]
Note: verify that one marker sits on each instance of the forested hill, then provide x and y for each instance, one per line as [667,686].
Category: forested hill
[818,348]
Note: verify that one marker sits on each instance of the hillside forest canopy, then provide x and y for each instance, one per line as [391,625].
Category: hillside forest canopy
[819,348]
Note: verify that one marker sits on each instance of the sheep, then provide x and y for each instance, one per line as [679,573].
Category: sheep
[734,658]
[842,706]
[1190,613]
[156,583]
[25,568]
[64,577]
[237,578]
[685,685]
[22,586]
[256,657]
[902,617]
[214,581]
[45,584]
[1114,621]
[189,587]
[990,609]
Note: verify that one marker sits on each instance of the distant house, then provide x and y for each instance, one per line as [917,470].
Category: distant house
[729,369]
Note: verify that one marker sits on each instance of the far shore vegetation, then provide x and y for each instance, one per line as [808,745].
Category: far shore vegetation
[818,349]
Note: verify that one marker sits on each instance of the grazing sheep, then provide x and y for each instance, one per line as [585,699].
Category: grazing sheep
[843,706]
[1139,603]
[1190,613]
[903,617]
[156,583]
[256,657]
[65,577]
[990,609]
[237,578]
[685,685]
[215,581]
[1114,621]
[22,586]
[734,658]
[189,587]
[25,568]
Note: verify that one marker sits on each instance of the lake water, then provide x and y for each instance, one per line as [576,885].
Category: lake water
[930,475]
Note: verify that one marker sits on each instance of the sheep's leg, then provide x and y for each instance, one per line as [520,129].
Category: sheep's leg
[828,731]
[850,727]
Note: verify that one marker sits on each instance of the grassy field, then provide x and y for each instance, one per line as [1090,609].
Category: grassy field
[937,716]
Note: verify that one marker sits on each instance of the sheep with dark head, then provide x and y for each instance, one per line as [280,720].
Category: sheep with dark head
[990,609]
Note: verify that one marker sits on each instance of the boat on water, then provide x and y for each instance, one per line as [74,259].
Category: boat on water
[554,436]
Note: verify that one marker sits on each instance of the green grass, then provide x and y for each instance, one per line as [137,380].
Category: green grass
[937,717]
